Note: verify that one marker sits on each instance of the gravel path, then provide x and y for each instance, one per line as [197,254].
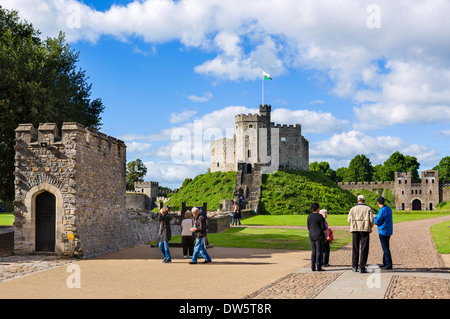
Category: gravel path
[412,250]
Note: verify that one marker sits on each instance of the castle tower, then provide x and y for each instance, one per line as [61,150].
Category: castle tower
[69,190]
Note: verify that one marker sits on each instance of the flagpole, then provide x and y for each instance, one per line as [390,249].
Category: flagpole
[262,80]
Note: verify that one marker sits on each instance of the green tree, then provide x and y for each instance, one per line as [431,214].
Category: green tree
[341,174]
[360,169]
[397,162]
[324,168]
[39,82]
[136,171]
[443,168]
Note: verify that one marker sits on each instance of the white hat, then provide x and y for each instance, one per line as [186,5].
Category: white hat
[361,197]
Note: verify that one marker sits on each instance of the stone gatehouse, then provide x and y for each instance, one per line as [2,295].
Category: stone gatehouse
[70,195]
[409,194]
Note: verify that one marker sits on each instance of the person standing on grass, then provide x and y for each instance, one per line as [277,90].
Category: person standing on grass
[317,235]
[361,222]
[325,257]
[199,230]
[165,234]
[385,229]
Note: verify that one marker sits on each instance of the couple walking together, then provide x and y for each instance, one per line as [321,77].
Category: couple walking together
[198,229]
[361,220]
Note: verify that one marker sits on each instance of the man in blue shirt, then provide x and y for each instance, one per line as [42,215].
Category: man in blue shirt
[385,229]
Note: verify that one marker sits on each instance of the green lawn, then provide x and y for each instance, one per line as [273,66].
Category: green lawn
[6,219]
[270,238]
[441,237]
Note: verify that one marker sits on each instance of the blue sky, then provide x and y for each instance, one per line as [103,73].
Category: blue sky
[359,78]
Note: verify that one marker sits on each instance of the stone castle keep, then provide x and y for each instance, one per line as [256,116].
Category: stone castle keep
[257,140]
[70,193]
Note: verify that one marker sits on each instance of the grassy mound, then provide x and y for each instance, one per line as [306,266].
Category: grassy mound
[210,188]
[292,192]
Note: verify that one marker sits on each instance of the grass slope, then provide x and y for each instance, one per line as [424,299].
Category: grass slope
[292,192]
[210,188]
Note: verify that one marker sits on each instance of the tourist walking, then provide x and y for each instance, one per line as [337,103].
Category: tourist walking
[325,258]
[385,229]
[236,215]
[361,222]
[187,237]
[317,235]
[199,230]
[165,234]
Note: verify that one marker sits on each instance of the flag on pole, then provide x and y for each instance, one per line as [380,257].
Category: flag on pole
[266,76]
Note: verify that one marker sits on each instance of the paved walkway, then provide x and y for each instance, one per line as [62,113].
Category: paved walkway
[137,272]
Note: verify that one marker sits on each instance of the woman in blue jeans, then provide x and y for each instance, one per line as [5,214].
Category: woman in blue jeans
[165,234]
[199,230]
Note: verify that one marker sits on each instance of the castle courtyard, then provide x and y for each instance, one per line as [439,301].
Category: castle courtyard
[137,272]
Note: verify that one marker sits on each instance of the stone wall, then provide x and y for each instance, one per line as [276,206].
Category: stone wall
[85,172]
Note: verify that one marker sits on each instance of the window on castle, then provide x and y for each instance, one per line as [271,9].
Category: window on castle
[430,192]
[399,181]
[432,181]
[412,192]
[283,139]
[416,191]
[403,192]
[420,191]
[406,181]
[249,153]
[217,164]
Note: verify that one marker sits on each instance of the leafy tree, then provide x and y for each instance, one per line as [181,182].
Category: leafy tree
[136,171]
[397,162]
[341,174]
[378,173]
[324,168]
[39,82]
[360,169]
[443,168]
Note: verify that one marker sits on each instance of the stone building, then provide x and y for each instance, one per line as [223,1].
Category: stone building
[409,194]
[70,193]
[412,195]
[257,140]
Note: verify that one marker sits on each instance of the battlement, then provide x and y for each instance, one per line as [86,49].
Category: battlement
[285,126]
[246,118]
[145,184]
[48,135]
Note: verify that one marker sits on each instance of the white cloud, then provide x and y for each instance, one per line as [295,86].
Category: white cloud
[199,99]
[181,117]
[137,147]
[311,121]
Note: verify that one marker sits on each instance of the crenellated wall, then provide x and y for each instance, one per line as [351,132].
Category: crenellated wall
[82,174]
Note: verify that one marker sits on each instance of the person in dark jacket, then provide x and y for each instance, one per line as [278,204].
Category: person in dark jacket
[199,230]
[165,234]
[317,235]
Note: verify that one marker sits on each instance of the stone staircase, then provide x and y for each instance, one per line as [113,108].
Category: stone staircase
[248,185]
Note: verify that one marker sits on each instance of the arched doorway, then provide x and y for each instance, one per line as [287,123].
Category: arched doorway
[416,204]
[249,168]
[45,221]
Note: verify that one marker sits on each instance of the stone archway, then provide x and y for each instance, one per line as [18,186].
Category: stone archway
[32,202]
[416,204]
[45,221]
